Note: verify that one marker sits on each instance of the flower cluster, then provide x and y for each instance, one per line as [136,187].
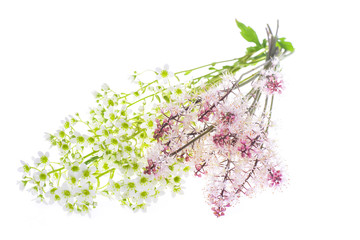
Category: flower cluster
[271,81]
[135,146]
[230,146]
[108,157]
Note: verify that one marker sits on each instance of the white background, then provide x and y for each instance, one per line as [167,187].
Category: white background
[53,54]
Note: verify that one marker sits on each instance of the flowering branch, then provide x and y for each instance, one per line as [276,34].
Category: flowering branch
[215,125]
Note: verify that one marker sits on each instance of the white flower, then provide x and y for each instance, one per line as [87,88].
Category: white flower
[22,184]
[149,122]
[113,143]
[66,193]
[164,74]
[43,159]
[47,136]
[69,207]
[87,172]
[41,177]
[132,78]
[130,186]
[90,140]
[115,187]
[177,190]
[83,209]
[87,194]
[105,87]
[79,140]
[40,198]
[65,123]
[54,195]
[177,180]
[61,133]
[74,170]
[34,190]
[110,114]
[25,168]
[144,194]
[96,94]
[109,101]
[144,180]
[103,132]
[123,124]
[72,178]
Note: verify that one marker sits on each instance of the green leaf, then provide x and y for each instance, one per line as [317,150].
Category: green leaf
[178,91]
[91,160]
[253,49]
[158,98]
[248,33]
[167,99]
[285,45]
[187,72]
[264,43]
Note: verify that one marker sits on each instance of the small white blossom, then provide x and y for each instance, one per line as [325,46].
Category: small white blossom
[74,170]
[25,168]
[42,160]
[164,74]
[41,177]
[105,87]
[66,193]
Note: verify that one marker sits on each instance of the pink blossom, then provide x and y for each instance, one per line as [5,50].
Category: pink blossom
[275,177]
[273,82]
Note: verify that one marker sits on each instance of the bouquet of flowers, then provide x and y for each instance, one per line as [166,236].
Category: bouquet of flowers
[134,146]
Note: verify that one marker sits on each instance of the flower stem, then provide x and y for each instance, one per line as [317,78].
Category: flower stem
[208,129]
[90,154]
[271,106]
[102,174]
[56,170]
[210,64]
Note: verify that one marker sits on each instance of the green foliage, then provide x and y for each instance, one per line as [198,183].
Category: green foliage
[285,45]
[91,160]
[248,33]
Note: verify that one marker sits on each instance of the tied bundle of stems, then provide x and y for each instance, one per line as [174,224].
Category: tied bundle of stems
[136,145]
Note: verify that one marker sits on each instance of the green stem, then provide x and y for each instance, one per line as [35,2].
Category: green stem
[247,80]
[210,64]
[271,106]
[128,94]
[147,85]
[151,95]
[35,168]
[56,170]
[102,174]
[103,186]
[90,154]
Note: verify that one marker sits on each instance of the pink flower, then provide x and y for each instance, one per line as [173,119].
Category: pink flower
[225,137]
[199,169]
[205,112]
[275,177]
[227,118]
[151,168]
[273,82]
